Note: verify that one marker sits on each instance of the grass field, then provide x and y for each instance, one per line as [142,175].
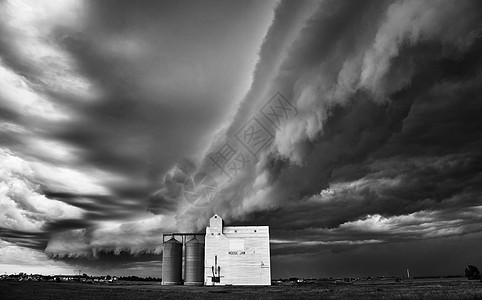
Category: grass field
[413,289]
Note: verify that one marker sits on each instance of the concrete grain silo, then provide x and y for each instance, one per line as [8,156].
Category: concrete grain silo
[194,263]
[172,262]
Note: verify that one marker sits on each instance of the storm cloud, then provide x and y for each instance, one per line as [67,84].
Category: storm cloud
[114,113]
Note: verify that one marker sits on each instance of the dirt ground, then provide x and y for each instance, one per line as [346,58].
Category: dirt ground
[414,289]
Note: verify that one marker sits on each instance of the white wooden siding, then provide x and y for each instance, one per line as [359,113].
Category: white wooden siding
[244,261]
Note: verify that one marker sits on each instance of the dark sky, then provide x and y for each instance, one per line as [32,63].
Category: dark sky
[352,129]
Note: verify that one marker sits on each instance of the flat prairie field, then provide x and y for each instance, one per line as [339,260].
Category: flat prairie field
[409,289]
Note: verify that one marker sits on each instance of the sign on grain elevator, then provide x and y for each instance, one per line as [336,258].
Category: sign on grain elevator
[236,255]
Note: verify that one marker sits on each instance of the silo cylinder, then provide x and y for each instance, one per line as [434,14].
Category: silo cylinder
[172,262]
[194,263]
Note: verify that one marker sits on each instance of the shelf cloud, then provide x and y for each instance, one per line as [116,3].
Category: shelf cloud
[347,127]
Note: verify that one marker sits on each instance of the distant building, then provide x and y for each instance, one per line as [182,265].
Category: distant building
[236,255]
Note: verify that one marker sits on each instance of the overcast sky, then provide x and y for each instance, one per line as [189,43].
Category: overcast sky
[352,128]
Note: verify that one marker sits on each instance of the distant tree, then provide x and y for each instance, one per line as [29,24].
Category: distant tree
[108,277]
[85,275]
[472,273]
